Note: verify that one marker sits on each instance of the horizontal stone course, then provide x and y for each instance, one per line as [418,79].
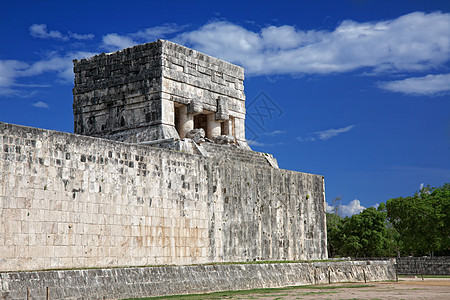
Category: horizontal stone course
[70,201]
[424,265]
[121,283]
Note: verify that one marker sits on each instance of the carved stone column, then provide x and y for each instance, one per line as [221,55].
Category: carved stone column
[186,121]
[213,128]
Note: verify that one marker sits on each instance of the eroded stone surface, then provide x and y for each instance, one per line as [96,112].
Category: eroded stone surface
[197,135]
[171,280]
[71,201]
[144,92]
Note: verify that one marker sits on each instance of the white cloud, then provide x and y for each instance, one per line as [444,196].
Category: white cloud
[255,143]
[40,31]
[61,64]
[114,41]
[325,134]
[274,133]
[13,70]
[412,42]
[78,36]
[330,133]
[40,104]
[352,208]
[156,32]
[9,70]
[306,139]
[427,85]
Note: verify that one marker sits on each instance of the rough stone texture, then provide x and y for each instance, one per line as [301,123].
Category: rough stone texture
[70,201]
[224,139]
[424,265]
[171,280]
[197,135]
[131,95]
[232,155]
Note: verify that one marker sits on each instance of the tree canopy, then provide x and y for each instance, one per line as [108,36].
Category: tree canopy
[422,220]
[415,225]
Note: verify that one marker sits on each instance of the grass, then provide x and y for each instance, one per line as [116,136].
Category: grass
[266,292]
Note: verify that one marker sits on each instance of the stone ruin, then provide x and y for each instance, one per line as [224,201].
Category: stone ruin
[160,93]
[77,210]
[113,195]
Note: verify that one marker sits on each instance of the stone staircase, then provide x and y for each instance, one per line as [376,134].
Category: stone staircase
[234,154]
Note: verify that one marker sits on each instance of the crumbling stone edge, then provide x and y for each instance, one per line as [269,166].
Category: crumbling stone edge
[117,283]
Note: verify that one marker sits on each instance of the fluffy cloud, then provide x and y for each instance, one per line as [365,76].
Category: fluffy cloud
[9,70]
[352,208]
[40,31]
[12,70]
[114,41]
[413,42]
[153,33]
[427,85]
[416,41]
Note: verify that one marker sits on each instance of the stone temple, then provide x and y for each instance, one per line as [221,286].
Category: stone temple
[157,192]
[158,172]
[159,92]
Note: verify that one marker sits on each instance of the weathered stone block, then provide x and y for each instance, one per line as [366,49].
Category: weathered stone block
[92,209]
[120,95]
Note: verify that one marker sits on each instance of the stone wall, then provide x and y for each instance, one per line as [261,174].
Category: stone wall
[171,280]
[424,265]
[70,201]
[118,94]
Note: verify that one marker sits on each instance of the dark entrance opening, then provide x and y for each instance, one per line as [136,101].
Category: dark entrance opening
[200,121]
[177,119]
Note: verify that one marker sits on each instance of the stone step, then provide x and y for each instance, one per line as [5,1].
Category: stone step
[230,153]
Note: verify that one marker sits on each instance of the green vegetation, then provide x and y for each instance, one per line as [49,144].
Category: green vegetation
[367,234]
[416,225]
[422,221]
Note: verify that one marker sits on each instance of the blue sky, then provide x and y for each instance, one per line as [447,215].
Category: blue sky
[358,91]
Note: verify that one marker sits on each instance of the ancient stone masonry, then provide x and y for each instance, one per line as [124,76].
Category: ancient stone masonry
[424,265]
[113,195]
[70,201]
[158,91]
[119,283]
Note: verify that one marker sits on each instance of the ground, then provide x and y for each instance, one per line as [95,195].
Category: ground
[405,288]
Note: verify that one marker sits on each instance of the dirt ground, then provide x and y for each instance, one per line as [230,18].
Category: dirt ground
[406,288]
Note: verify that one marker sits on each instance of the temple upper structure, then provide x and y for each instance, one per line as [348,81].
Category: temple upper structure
[158,91]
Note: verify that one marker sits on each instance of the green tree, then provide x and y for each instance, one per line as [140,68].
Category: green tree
[334,233]
[367,234]
[422,221]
